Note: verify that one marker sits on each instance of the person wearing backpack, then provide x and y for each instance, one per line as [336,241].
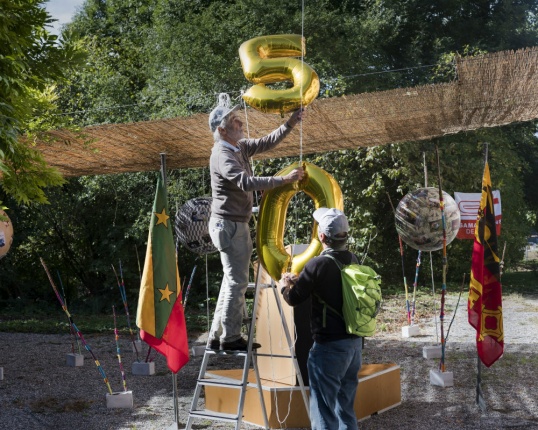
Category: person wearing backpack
[335,358]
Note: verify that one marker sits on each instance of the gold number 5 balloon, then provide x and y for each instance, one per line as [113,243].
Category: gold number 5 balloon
[266,60]
[325,192]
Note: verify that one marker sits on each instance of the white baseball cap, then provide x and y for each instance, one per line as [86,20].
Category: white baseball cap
[332,222]
[222,110]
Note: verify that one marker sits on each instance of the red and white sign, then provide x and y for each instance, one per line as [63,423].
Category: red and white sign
[468,204]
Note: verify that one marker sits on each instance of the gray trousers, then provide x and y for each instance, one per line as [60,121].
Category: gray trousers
[234,243]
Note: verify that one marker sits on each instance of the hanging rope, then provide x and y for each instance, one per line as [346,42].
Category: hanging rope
[296,222]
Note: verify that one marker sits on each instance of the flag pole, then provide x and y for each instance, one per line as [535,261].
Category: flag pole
[480,400]
[445,265]
[431,258]
[174,375]
[407,306]
[163,168]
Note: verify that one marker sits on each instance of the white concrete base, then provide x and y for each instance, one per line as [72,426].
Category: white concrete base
[138,344]
[172,426]
[441,379]
[121,399]
[1,373]
[74,360]
[144,369]
[410,331]
[432,351]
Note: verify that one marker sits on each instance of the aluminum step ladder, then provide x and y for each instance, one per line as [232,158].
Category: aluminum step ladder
[249,357]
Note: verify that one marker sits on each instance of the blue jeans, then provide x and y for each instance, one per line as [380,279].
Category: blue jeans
[333,369]
[234,243]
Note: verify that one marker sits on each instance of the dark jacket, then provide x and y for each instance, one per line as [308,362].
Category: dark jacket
[321,277]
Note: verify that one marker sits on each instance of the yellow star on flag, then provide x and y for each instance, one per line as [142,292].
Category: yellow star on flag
[166,293]
[163,218]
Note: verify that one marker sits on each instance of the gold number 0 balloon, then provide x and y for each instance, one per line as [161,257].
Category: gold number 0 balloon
[265,60]
[325,192]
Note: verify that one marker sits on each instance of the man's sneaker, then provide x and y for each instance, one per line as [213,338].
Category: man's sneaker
[237,345]
[214,344]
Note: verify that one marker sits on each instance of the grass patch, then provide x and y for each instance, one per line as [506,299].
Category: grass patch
[32,320]
[44,318]
[54,325]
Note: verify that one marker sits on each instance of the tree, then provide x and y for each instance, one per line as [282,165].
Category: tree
[33,61]
[156,59]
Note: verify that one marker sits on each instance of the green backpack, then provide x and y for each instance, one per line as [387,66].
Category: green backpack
[361,292]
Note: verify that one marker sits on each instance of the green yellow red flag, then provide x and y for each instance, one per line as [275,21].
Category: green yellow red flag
[485,293]
[160,314]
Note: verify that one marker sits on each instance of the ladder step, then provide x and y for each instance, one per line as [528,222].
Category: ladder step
[226,382]
[212,415]
[226,352]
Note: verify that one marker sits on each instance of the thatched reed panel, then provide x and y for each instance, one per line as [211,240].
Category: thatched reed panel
[498,89]
[490,90]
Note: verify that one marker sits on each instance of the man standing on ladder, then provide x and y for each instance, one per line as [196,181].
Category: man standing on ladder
[232,185]
[335,358]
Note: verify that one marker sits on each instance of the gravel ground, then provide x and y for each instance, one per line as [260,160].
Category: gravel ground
[40,392]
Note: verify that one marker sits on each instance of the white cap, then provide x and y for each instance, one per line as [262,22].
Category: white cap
[332,222]
[222,110]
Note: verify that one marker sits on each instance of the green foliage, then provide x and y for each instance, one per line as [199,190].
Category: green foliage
[165,58]
[92,222]
[32,62]
[520,282]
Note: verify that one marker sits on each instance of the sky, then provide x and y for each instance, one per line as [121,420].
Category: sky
[63,11]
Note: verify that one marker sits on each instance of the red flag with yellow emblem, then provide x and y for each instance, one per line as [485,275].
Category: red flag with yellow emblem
[160,314]
[485,293]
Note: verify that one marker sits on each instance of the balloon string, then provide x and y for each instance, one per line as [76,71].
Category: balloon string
[301,89]
[296,217]
[252,165]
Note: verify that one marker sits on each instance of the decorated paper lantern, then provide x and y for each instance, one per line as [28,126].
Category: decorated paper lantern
[419,222]
[192,221]
[6,234]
